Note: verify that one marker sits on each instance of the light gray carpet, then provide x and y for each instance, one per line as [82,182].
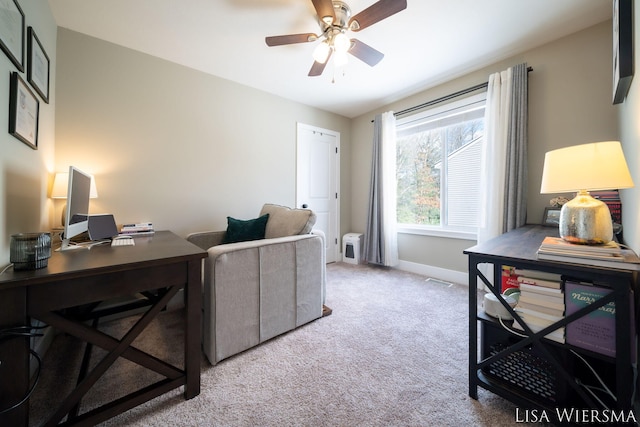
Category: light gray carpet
[393,353]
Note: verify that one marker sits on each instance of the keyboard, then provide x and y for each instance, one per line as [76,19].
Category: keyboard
[123,242]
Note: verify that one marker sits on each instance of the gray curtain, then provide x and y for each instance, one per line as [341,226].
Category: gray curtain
[380,238]
[515,205]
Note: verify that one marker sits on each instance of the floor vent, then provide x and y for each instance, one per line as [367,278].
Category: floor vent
[438,282]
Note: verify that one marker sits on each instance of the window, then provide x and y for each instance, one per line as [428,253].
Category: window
[438,169]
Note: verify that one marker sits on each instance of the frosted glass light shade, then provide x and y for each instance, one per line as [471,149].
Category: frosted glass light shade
[341,43]
[321,52]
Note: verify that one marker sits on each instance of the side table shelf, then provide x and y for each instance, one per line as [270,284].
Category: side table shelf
[534,372]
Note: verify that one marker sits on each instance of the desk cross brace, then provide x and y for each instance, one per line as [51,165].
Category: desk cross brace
[116,349]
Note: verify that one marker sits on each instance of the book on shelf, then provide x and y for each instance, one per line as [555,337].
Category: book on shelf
[595,331]
[538,317]
[555,303]
[552,284]
[535,274]
[558,335]
[541,308]
[536,289]
[509,278]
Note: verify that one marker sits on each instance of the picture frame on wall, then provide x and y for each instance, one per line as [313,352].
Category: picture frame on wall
[12,32]
[24,110]
[622,49]
[38,65]
[551,217]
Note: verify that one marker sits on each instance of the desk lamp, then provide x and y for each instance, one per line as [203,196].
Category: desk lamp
[59,189]
[583,168]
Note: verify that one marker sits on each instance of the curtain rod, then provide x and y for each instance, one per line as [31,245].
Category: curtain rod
[446,97]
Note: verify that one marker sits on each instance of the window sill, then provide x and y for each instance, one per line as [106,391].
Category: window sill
[437,232]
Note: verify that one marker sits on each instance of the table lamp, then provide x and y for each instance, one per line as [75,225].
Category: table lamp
[59,189]
[583,168]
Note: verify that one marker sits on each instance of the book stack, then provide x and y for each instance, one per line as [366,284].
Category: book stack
[541,303]
[138,229]
[605,255]
[612,199]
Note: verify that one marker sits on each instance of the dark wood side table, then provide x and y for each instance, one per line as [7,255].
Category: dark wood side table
[560,362]
[163,263]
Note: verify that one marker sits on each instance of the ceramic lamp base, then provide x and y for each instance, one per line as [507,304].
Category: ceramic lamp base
[585,220]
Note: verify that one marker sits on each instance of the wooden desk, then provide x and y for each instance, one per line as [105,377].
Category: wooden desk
[164,263]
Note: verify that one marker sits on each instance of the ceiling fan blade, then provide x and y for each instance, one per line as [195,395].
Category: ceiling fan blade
[365,53]
[376,13]
[290,39]
[324,9]
[318,67]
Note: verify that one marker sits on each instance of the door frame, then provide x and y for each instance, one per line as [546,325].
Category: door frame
[336,181]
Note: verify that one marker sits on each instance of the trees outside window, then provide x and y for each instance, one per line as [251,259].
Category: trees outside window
[438,166]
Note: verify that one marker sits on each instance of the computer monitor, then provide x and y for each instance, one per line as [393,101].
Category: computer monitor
[77,209]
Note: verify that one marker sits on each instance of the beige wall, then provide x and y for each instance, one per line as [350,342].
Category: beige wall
[184,149]
[175,146]
[25,173]
[630,139]
[569,104]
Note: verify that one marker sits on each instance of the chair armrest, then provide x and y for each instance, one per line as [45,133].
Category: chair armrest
[206,239]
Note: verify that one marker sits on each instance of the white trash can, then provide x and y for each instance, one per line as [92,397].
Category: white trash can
[351,248]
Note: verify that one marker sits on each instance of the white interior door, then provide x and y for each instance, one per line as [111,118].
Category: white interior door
[317,181]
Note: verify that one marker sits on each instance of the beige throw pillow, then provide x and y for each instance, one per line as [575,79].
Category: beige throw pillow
[284,221]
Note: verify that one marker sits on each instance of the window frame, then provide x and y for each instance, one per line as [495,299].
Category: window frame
[437,113]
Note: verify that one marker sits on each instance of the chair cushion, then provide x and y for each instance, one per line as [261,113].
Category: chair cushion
[284,221]
[239,230]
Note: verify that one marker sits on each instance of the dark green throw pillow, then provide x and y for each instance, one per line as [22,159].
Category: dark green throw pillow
[239,230]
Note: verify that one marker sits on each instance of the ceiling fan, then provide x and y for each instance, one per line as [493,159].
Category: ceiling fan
[335,21]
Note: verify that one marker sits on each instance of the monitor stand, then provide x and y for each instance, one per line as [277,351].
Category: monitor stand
[66,246]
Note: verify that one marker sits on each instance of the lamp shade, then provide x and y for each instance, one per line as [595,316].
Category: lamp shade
[61,182]
[592,167]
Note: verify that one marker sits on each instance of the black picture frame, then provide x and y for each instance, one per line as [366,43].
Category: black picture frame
[12,32]
[622,49]
[38,65]
[551,217]
[24,111]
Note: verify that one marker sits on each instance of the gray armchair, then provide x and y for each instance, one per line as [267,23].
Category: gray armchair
[255,290]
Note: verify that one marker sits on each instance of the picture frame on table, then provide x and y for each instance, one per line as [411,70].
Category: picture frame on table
[24,111]
[38,65]
[551,217]
[12,32]
[622,49]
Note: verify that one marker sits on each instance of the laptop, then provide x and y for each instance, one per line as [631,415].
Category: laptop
[102,226]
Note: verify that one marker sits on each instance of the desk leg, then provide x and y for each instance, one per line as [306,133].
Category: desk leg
[193,329]
[14,359]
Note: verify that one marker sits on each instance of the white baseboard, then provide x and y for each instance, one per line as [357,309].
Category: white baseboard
[450,276]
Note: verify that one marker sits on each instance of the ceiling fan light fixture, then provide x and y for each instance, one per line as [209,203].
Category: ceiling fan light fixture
[321,52]
[341,43]
[340,59]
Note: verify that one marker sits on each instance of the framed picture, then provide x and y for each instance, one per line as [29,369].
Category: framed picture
[12,32]
[38,65]
[622,49]
[551,217]
[23,112]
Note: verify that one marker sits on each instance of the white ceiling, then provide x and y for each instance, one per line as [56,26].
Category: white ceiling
[430,42]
